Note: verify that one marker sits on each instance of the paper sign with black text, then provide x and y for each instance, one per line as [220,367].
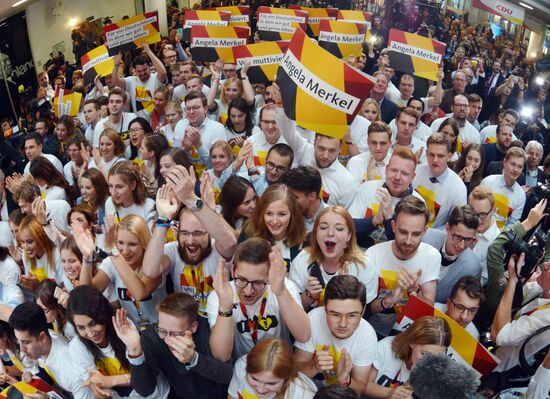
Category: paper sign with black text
[279,23]
[342,39]
[240,15]
[414,54]
[66,102]
[320,92]
[204,18]
[212,43]
[315,16]
[132,32]
[96,62]
[265,58]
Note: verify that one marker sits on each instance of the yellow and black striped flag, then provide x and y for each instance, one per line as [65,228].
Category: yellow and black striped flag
[132,32]
[279,23]
[203,18]
[414,54]
[342,39]
[212,43]
[315,16]
[96,62]
[265,58]
[320,92]
[240,15]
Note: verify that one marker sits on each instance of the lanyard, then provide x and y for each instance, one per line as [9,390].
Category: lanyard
[198,281]
[253,324]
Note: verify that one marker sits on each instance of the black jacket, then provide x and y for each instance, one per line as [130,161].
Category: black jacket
[208,379]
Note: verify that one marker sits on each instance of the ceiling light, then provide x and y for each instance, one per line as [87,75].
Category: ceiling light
[525,5]
[19,3]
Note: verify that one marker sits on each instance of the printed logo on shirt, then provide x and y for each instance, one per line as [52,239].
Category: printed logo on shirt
[223,118]
[490,140]
[144,100]
[503,209]
[110,366]
[433,205]
[387,282]
[264,324]
[125,295]
[259,158]
[194,283]
[247,395]
[197,164]
[324,195]
[344,156]
[329,376]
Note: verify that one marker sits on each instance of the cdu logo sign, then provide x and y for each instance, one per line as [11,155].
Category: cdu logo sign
[504,9]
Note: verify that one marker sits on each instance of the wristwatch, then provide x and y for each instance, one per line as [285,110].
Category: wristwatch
[197,205]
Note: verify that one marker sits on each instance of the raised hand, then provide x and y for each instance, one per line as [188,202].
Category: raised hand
[183,183]
[207,191]
[223,288]
[38,209]
[277,271]
[84,241]
[166,203]
[127,332]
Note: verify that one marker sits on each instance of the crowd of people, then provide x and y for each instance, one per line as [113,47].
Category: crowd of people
[183,238]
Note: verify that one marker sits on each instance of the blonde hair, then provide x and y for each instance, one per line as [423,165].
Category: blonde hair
[481,193]
[352,252]
[226,84]
[137,226]
[370,101]
[112,135]
[36,230]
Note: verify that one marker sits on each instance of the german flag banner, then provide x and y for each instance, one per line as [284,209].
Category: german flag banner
[212,43]
[66,102]
[357,17]
[315,16]
[240,15]
[203,18]
[342,39]
[414,54]
[279,23]
[96,62]
[265,58]
[19,390]
[464,347]
[320,92]
[132,32]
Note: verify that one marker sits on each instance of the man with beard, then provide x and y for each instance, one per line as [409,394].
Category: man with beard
[203,238]
[404,265]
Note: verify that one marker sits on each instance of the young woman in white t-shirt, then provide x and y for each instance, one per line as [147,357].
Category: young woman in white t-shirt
[40,255]
[238,201]
[95,191]
[239,125]
[333,251]
[152,146]
[173,114]
[51,181]
[269,372]
[220,159]
[97,353]
[53,309]
[128,194]
[396,356]
[111,151]
[137,293]
[277,218]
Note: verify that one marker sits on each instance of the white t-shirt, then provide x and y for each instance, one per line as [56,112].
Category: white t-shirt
[358,166]
[141,93]
[260,147]
[361,345]
[489,135]
[147,211]
[42,270]
[195,280]
[271,325]
[509,201]
[121,128]
[299,272]
[109,365]
[168,132]
[9,271]
[106,165]
[387,265]
[301,387]
[470,327]
[52,158]
[391,370]
[140,312]
[52,193]
[57,211]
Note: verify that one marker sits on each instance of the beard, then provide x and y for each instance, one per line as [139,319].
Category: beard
[202,254]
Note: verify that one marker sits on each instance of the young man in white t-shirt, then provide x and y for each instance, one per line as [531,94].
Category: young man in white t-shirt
[117,119]
[33,149]
[342,343]
[92,115]
[259,303]
[404,265]
[464,302]
[405,122]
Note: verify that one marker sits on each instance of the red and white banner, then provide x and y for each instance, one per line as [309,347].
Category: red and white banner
[507,10]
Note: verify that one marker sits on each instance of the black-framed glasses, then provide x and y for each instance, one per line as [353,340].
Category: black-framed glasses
[462,308]
[484,215]
[258,285]
[279,169]
[457,238]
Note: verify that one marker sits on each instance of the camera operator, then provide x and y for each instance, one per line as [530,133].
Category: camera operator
[495,259]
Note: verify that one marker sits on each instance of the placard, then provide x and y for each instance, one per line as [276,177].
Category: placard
[203,18]
[276,24]
[342,39]
[132,32]
[315,16]
[96,62]
[265,58]
[212,43]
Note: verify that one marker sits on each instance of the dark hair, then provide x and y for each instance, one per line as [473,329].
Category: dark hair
[232,195]
[29,317]
[240,104]
[88,301]
[460,164]
[464,214]
[156,143]
[45,292]
[147,129]
[414,98]
[305,179]
[95,103]
[140,60]
[346,287]
[68,122]
[6,332]
[194,96]
[36,137]
[336,391]
[413,206]
[42,168]
[254,250]
[78,140]
[100,184]
[471,286]
[408,111]
[456,131]
[283,150]
[501,125]
[179,156]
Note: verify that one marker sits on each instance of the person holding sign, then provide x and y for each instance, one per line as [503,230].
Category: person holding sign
[141,86]
[342,344]
[270,369]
